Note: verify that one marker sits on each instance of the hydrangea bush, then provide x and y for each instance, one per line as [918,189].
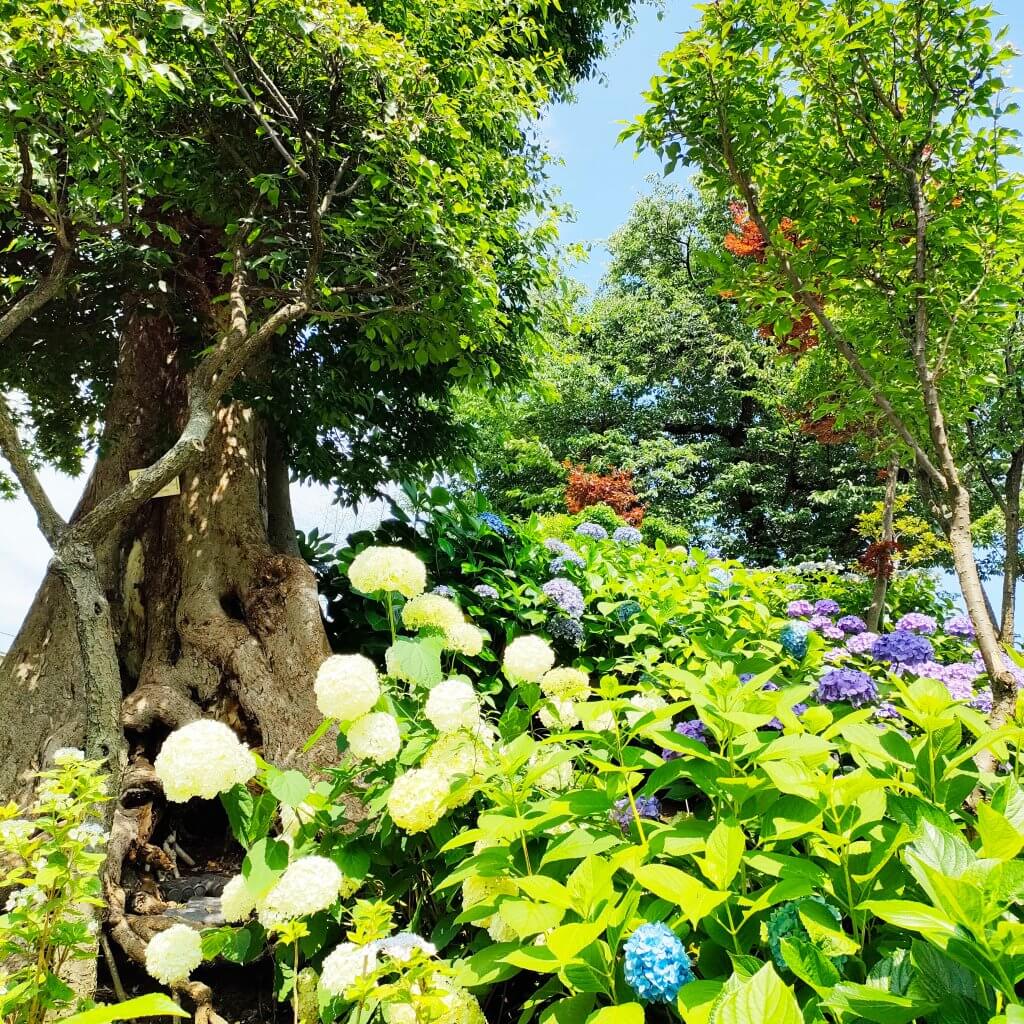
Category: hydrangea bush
[698,806]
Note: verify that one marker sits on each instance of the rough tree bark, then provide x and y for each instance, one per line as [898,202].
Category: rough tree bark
[888,537]
[1011,556]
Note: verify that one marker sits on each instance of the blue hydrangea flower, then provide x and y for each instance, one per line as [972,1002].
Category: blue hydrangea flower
[721,576]
[794,638]
[495,523]
[646,806]
[784,921]
[485,590]
[961,626]
[566,595]
[593,530]
[628,535]
[826,606]
[557,547]
[656,963]
[916,622]
[902,648]
[557,565]
[852,624]
[849,684]
[568,630]
[626,611]
[442,591]
[799,609]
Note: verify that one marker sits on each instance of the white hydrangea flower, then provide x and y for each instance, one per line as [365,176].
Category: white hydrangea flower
[15,830]
[453,754]
[477,890]
[458,1006]
[375,737]
[345,964]
[431,611]
[527,658]
[400,947]
[464,638]
[557,777]
[308,885]
[236,903]
[173,954]
[388,568]
[346,687]
[202,759]
[559,714]
[452,704]
[596,717]
[418,799]
[68,755]
[566,683]
[644,703]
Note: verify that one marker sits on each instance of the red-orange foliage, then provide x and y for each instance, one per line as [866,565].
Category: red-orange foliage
[877,560]
[802,338]
[747,241]
[824,430]
[614,489]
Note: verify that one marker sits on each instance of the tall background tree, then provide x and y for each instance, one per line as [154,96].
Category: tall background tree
[864,143]
[657,375]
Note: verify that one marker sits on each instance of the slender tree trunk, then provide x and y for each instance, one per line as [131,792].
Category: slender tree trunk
[888,537]
[1011,559]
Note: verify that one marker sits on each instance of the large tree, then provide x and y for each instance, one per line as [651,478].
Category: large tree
[658,376]
[862,141]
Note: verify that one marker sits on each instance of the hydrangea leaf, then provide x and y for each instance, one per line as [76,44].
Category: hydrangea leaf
[763,997]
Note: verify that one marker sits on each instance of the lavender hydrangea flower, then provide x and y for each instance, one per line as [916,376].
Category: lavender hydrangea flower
[834,655]
[849,684]
[961,626]
[556,546]
[646,807]
[831,632]
[495,523]
[799,609]
[852,624]
[694,729]
[721,576]
[485,590]
[628,535]
[819,622]
[558,565]
[826,606]
[887,710]
[593,530]
[983,701]
[917,622]
[902,647]
[568,630]
[443,591]
[861,643]
[566,595]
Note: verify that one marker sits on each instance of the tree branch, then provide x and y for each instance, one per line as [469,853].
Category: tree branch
[32,301]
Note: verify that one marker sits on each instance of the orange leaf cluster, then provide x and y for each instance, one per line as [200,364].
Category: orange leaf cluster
[877,560]
[802,338]
[824,430]
[614,489]
[747,241]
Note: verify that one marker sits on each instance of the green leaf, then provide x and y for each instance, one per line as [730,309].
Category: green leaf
[915,917]
[760,999]
[723,854]
[264,864]
[568,939]
[876,1004]
[290,787]
[809,964]
[624,1013]
[526,918]
[696,1000]
[156,1004]
[694,898]
[417,661]
[1000,840]
[825,931]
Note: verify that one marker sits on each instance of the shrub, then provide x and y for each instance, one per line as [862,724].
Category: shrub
[614,489]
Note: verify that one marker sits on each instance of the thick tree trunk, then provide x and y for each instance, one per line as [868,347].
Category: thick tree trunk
[1011,558]
[888,536]
[208,617]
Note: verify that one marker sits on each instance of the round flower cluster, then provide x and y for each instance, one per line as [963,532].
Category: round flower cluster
[559,775]
[569,631]
[826,606]
[626,611]
[656,963]
[819,622]
[646,807]
[558,547]
[961,626]
[375,737]
[495,523]
[431,611]
[236,903]
[308,885]
[68,755]
[558,565]
[902,648]
[849,684]
[402,946]
[173,954]
[488,891]
[392,569]
[794,639]
[454,1004]
[453,704]
[595,531]
[887,710]
[345,965]
[559,714]
[346,687]
[566,595]
[526,659]
[799,609]
[457,756]
[628,535]
[861,643]
[784,921]
[916,622]
[694,729]
[565,683]
[202,759]
[418,799]
[486,591]
[464,638]
[442,591]
[644,703]
[852,624]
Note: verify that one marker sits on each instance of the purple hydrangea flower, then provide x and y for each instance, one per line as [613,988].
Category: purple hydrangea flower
[886,710]
[834,655]
[799,609]
[485,590]
[556,546]
[902,647]
[443,591]
[745,677]
[694,729]
[916,622]
[830,632]
[558,565]
[646,807]
[983,701]
[628,535]
[852,624]
[593,530]
[861,643]
[849,684]
[819,622]
[826,606]
[961,626]
[566,629]
[566,595]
